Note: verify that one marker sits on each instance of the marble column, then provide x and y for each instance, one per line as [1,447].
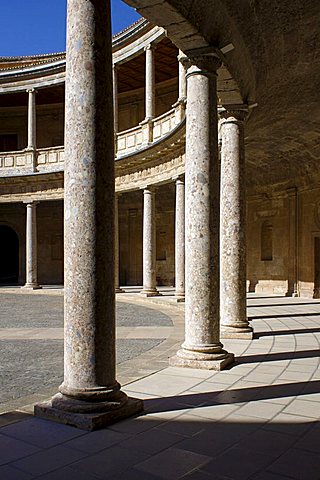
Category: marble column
[202,347]
[115,98]
[90,397]
[31,247]
[293,202]
[149,244]
[150,83]
[32,119]
[32,127]
[233,314]
[182,59]
[180,241]
[180,105]
[116,246]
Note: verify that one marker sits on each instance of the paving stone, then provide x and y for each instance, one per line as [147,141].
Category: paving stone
[41,433]
[268,476]
[310,441]
[238,464]
[12,417]
[48,460]
[173,463]
[111,461]
[11,473]
[12,449]
[66,473]
[260,409]
[298,464]
[152,441]
[133,474]
[303,408]
[267,442]
[99,440]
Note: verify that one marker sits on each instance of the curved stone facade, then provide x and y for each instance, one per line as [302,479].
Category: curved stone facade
[150,142]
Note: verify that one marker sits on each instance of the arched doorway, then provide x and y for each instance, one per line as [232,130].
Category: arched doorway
[9,255]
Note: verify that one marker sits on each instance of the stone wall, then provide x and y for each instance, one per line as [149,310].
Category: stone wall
[130,232]
[50,242]
[309,235]
[50,238]
[267,226]
[291,219]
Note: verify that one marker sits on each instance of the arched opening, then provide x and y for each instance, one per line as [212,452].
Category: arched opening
[9,255]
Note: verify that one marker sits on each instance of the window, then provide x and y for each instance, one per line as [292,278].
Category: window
[266,241]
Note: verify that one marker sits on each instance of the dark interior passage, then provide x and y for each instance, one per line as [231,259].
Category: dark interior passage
[9,255]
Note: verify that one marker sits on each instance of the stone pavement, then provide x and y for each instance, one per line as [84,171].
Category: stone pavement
[258,420]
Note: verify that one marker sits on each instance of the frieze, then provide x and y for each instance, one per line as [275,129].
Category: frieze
[151,174]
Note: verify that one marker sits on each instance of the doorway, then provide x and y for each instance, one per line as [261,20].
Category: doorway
[9,256]
[316,290]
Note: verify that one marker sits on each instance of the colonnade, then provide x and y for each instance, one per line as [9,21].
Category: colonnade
[150,92]
[90,396]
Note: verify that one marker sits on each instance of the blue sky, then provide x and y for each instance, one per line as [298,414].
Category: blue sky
[38,26]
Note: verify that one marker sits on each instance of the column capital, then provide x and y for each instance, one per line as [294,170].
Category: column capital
[31,90]
[178,179]
[204,61]
[148,189]
[183,58]
[31,203]
[150,46]
[233,113]
[292,191]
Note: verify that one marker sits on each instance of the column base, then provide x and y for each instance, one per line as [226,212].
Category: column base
[150,293]
[119,290]
[32,286]
[292,294]
[86,420]
[245,333]
[215,362]
[179,298]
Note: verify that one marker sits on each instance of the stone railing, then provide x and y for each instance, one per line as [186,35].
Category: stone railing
[129,142]
[29,161]
[148,132]
[51,158]
[16,160]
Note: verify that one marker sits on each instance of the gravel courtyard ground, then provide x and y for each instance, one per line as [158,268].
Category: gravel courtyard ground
[29,364]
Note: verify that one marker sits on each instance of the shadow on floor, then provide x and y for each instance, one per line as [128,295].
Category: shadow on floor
[271,357]
[273,333]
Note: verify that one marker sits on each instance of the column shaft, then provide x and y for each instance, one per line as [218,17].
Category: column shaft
[202,347]
[150,83]
[90,397]
[115,99]
[180,240]
[32,120]
[116,246]
[293,243]
[31,247]
[149,244]
[234,323]
[182,76]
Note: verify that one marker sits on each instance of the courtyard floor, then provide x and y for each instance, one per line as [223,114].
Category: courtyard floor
[258,420]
